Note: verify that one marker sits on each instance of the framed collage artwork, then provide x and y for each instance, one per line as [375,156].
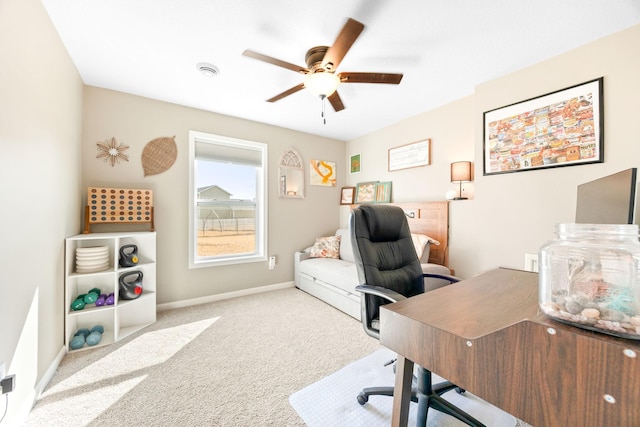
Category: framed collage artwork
[562,128]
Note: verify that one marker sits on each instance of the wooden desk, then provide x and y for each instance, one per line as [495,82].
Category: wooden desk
[487,335]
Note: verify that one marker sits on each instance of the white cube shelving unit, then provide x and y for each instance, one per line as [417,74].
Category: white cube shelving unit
[124,317]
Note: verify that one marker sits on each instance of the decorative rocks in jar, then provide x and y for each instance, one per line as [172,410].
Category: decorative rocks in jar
[590,278]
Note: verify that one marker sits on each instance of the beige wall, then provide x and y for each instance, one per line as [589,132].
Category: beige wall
[49,128]
[511,214]
[40,120]
[293,223]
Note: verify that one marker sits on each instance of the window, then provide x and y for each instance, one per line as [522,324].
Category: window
[227,200]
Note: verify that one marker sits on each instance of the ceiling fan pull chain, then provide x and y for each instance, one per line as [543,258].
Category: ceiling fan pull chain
[324,119]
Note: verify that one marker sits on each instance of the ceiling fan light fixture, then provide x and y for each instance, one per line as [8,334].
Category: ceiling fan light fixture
[321,84]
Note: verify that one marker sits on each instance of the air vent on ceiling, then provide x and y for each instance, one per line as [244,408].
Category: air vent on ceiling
[207,69]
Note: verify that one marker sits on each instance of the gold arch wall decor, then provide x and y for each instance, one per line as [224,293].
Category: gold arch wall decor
[291,173]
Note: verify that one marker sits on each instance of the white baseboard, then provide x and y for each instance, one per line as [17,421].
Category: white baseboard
[20,417]
[220,297]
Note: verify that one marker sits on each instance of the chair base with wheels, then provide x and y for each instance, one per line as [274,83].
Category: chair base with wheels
[424,392]
[430,396]
[439,389]
[363,396]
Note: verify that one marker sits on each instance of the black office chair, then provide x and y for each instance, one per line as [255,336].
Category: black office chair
[389,271]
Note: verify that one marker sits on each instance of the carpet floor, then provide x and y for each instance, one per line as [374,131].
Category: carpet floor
[237,362]
[227,363]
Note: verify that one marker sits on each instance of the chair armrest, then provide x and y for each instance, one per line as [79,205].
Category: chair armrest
[451,279]
[301,255]
[370,322]
[388,294]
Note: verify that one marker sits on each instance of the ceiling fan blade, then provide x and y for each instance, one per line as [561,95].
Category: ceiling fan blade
[388,78]
[346,38]
[286,93]
[274,61]
[335,101]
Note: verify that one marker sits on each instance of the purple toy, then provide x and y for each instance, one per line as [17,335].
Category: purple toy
[102,299]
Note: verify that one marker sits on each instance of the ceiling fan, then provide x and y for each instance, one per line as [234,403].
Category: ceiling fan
[320,74]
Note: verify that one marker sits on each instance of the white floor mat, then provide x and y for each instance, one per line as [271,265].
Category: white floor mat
[332,400]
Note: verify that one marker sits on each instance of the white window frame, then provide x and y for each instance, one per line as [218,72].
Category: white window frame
[261,203]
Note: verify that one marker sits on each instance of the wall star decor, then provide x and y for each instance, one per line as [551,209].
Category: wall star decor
[112,151]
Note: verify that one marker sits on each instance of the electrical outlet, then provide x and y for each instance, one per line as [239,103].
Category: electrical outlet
[272,262]
[8,384]
[531,262]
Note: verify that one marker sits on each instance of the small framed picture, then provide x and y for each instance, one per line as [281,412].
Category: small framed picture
[355,163]
[347,195]
[366,192]
[383,192]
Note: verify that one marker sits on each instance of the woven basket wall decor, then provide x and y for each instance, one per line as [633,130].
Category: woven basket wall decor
[159,155]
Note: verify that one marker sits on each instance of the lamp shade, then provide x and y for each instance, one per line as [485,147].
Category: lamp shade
[460,171]
[321,83]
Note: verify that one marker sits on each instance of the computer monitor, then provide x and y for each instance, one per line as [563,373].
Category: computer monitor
[609,200]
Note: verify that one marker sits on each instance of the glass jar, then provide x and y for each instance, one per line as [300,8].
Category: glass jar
[590,277]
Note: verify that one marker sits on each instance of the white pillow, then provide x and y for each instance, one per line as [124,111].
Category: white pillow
[420,242]
[346,249]
[326,247]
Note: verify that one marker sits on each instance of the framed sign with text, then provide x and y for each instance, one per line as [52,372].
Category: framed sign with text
[409,155]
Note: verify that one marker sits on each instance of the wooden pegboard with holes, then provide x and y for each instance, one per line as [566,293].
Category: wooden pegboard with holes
[118,205]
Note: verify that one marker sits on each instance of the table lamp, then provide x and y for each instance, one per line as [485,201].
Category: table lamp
[460,172]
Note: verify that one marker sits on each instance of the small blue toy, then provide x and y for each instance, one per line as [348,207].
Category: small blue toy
[95,336]
[85,336]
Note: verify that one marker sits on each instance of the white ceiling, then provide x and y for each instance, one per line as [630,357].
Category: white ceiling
[444,48]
